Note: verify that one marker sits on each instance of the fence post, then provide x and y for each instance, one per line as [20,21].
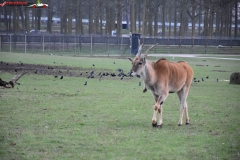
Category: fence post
[180,44]
[25,44]
[205,45]
[91,46]
[0,43]
[43,43]
[63,43]
[10,44]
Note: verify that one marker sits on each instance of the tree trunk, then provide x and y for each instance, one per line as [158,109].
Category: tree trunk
[139,17]
[20,9]
[133,17]
[15,20]
[236,19]
[90,18]
[27,25]
[156,22]
[79,26]
[69,15]
[50,14]
[119,18]
[193,16]
[145,15]
[150,20]
[163,17]
[175,20]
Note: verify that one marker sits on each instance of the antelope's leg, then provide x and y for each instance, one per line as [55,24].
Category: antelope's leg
[154,119]
[186,113]
[181,98]
[182,95]
[155,110]
[160,110]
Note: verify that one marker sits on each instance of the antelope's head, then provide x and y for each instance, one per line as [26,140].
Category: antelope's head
[139,62]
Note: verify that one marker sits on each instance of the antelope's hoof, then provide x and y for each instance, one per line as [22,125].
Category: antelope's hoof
[187,123]
[159,125]
[154,124]
[179,125]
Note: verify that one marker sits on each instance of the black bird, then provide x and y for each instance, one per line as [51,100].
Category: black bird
[194,78]
[92,73]
[61,77]
[55,76]
[85,83]
[60,71]
[113,74]
[93,65]
[80,74]
[207,77]
[99,74]
[122,77]
[202,79]
[48,68]
[36,72]
[15,70]
[198,81]
[217,80]
[119,70]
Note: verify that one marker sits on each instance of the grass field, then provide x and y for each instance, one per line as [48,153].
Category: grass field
[47,118]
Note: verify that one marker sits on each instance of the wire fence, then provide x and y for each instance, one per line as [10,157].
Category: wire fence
[112,45]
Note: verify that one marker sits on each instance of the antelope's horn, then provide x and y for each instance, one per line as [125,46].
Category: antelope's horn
[146,53]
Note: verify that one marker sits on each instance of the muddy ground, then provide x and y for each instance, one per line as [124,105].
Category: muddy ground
[63,70]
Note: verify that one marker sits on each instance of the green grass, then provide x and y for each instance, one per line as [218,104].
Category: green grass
[48,118]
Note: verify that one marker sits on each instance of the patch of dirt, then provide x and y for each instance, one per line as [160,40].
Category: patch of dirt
[58,71]
[220,71]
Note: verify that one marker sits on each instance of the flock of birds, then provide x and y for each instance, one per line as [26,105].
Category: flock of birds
[120,73]
[89,75]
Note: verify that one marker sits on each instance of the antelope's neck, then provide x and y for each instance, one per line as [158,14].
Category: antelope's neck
[146,73]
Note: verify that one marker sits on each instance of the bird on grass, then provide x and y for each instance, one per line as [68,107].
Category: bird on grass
[207,77]
[61,77]
[55,76]
[85,83]
[202,79]
[36,72]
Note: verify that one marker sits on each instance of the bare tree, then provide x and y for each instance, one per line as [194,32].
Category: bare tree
[50,15]
[79,25]
[119,18]
[132,16]
[236,18]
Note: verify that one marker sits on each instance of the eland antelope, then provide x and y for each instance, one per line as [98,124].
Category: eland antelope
[161,78]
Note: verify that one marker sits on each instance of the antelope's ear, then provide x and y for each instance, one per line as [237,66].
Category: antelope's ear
[130,59]
[143,59]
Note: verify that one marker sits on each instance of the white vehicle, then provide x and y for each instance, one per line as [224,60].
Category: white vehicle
[40,5]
